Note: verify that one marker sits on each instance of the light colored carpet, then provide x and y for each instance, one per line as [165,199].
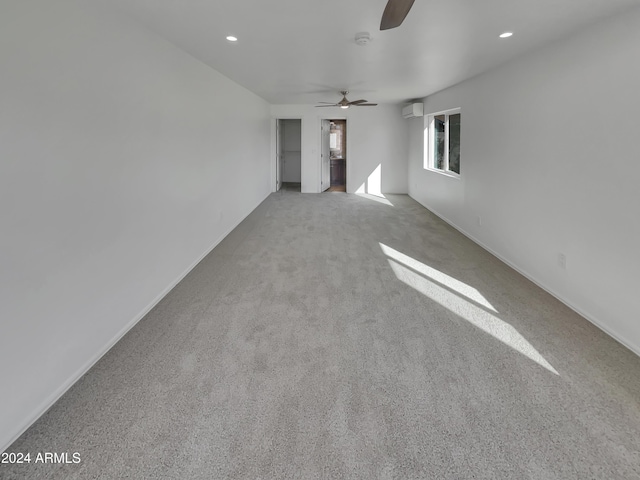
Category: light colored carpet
[334,336]
[291,187]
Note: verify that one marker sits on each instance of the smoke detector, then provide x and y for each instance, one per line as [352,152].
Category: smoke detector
[363,38]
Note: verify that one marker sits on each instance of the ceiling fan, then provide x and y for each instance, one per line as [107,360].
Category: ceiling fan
[395,13]
[344,103]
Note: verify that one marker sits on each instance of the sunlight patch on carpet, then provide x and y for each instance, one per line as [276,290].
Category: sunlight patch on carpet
[468,305]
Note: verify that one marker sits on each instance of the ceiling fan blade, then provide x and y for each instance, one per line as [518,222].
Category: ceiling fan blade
[328,103]
[333,105]
[357,101]
[365,104]
[395,13]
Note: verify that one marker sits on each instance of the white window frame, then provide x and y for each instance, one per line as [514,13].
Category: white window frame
[429,145]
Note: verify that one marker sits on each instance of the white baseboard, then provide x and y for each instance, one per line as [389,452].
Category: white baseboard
[55,396]
[634,348]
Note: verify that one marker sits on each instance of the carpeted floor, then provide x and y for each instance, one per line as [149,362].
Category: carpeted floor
[291,187]
[335,336]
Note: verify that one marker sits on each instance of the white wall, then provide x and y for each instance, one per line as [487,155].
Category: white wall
[292,149]
[551,162]
[376,137]
[122,161]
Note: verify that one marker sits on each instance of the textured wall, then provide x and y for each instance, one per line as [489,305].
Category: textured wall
[123,160]
[550,164]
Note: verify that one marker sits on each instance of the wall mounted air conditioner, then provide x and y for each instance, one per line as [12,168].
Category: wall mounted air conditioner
[413,110]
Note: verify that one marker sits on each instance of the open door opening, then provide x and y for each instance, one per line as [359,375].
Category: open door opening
[334,155]
[288,154]
[338,155]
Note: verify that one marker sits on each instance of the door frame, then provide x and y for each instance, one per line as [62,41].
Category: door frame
[319,160]
[325,143]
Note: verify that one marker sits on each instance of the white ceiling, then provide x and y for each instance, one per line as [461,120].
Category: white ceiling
[303,51]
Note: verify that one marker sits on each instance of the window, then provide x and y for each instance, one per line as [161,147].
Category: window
[442,142]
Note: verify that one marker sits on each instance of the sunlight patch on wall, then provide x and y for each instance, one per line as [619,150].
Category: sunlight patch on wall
[373,185]
[374,182]
[468,310]
[372,188]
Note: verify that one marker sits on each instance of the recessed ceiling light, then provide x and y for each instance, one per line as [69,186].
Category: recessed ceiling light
[231,38]
[506,34]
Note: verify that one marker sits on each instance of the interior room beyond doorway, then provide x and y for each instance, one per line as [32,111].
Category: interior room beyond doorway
[338,155]
[289,155]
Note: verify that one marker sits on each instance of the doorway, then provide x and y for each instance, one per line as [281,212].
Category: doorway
[288,154]
[335,166]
